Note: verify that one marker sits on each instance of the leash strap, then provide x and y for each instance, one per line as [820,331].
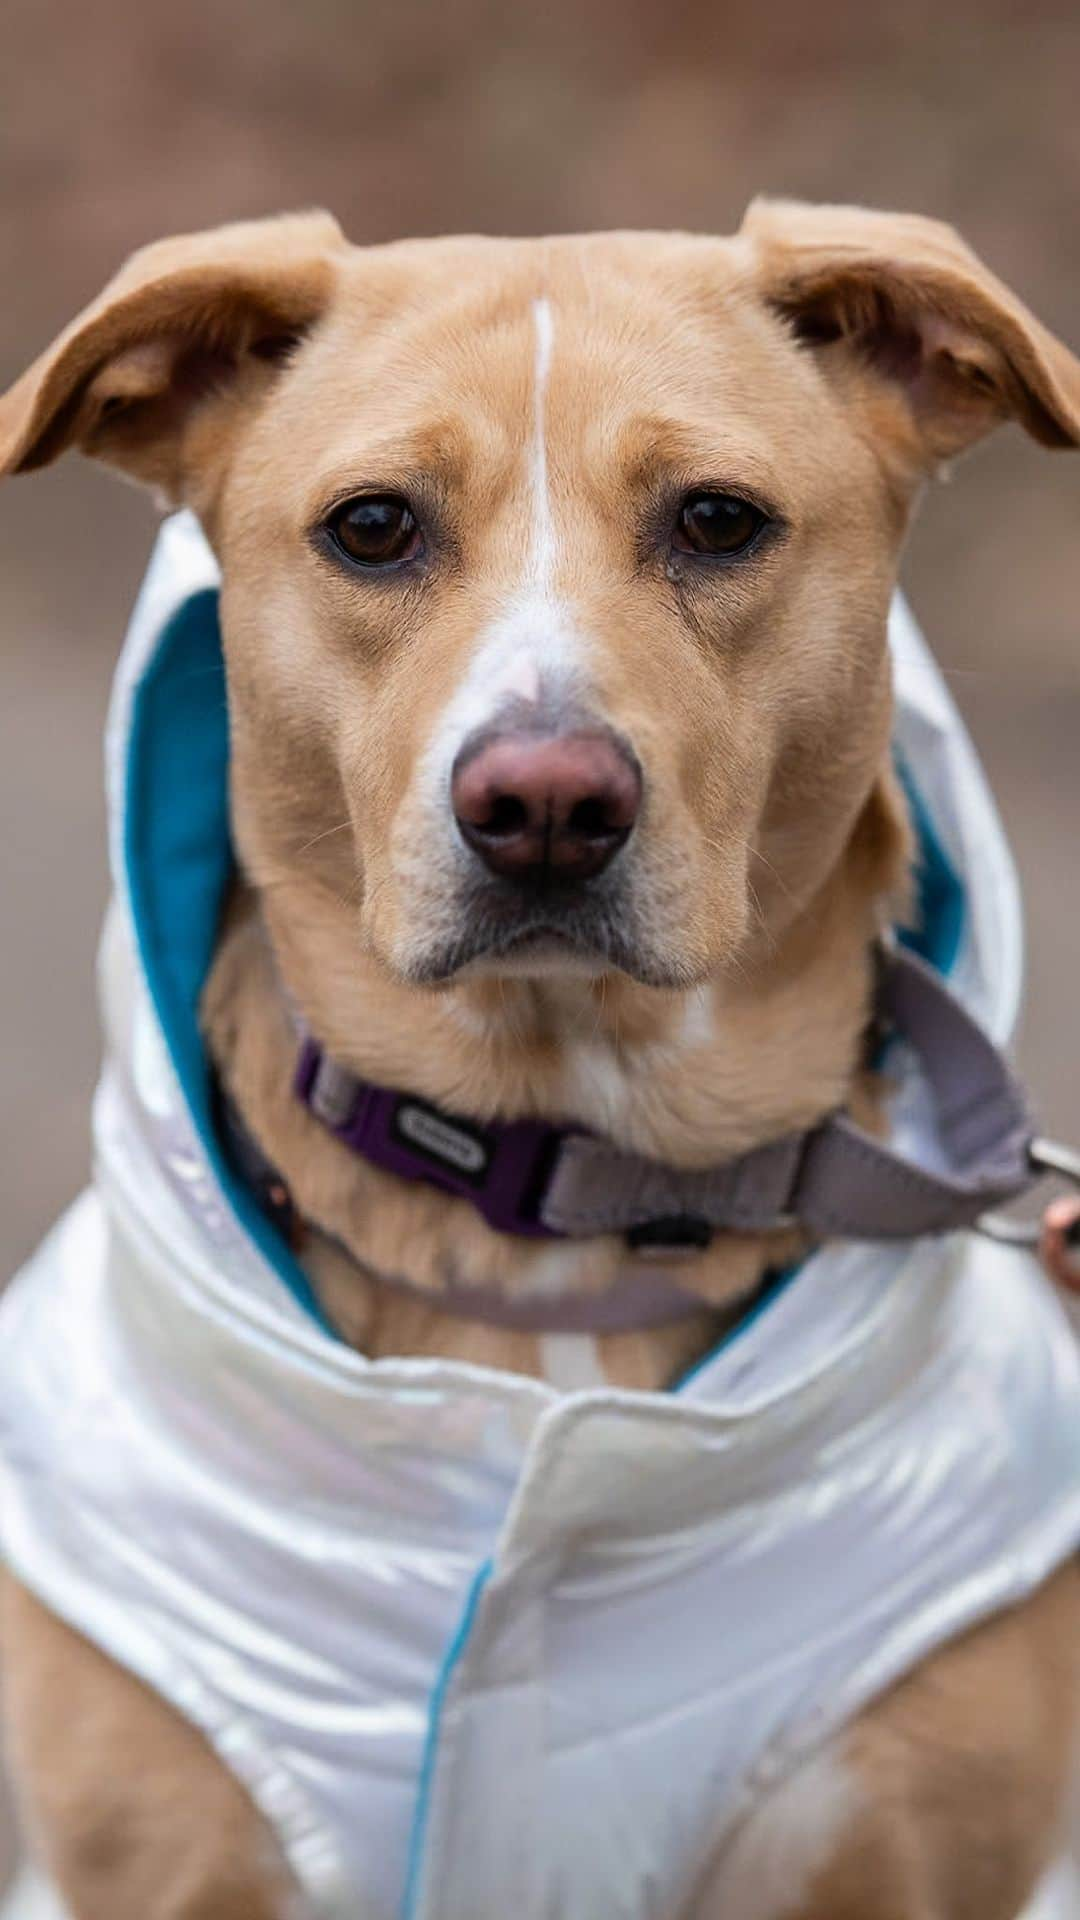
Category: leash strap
[836,1179]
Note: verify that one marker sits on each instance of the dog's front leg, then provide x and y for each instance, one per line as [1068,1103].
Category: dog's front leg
[128,1810]
[947,1800]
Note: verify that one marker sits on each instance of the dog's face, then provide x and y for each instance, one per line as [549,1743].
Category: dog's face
[571,585]
[555,572]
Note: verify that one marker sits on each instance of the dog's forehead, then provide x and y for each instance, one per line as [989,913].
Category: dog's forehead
[641,341]
[591,269]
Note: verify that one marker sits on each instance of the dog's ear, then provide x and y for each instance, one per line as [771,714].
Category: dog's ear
[151,375]
[905,301]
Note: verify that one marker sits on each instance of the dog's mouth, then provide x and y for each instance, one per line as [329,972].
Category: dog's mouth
[569,930]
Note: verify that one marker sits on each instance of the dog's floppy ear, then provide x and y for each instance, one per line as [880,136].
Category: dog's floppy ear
[918,308]
[147,376]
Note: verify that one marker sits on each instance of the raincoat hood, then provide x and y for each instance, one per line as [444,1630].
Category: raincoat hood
[167,764]
[371,1583]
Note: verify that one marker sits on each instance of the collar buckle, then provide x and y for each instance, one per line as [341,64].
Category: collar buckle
[502,1170]
[1048,1160]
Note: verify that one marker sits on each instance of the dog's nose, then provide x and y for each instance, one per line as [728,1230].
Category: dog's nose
[557,806]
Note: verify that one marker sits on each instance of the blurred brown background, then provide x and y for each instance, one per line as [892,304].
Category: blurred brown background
[123,122]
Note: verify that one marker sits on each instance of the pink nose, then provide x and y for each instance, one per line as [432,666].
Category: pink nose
[556,806]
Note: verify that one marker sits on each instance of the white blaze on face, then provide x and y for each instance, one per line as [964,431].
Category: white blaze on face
[532,646]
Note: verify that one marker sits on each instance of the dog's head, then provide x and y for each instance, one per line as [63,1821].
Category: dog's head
[555,572]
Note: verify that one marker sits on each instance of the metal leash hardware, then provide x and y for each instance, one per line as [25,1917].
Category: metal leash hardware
[1048,1159]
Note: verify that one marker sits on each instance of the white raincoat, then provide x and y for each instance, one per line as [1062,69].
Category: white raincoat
[478,1648]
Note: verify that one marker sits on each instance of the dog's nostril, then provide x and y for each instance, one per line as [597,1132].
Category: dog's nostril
[508,814]
[591,818]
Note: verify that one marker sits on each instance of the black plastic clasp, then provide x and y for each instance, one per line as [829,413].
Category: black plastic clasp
[676,1233]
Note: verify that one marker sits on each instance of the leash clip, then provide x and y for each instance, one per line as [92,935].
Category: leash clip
[1048,1159]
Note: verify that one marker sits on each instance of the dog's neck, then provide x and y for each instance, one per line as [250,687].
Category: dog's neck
[686,1077]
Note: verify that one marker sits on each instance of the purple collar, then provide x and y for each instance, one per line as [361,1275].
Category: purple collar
[502,1168]
[538,1181]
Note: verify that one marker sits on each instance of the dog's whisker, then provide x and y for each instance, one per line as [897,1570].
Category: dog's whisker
[755,901]
[326,834]
[756,854]
[600,1008]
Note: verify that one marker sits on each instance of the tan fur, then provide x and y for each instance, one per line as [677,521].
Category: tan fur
[958,1785]
[125,1807]
[826,360]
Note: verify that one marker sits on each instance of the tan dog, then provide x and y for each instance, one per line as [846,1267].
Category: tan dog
[574,552]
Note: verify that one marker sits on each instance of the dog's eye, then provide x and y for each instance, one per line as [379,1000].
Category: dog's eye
[375,530]
[718,523]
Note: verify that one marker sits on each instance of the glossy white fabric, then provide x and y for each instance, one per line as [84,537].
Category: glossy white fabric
[478,1648]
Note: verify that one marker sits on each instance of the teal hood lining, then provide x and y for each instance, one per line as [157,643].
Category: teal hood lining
[178,859]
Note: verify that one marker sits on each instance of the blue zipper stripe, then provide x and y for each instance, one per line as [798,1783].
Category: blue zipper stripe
[454,1651]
